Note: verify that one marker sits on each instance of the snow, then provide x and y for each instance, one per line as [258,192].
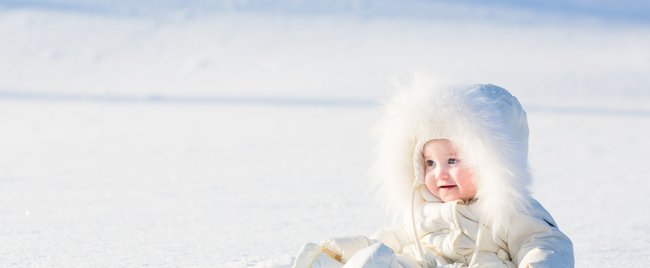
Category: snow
[229,138]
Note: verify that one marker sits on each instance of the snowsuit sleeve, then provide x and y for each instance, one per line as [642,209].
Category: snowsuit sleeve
[535,241]
[395,238]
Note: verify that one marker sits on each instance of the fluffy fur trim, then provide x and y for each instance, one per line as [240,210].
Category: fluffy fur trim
[486,124]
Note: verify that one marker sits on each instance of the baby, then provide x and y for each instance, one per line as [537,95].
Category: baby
[452,166]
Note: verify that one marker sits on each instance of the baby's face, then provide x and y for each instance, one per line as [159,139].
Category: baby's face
[445,175]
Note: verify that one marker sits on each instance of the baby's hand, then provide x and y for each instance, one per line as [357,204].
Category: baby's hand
[333,252]
[310,255]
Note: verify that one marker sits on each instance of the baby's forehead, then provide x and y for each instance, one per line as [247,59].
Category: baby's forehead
[439,146]
[439,142]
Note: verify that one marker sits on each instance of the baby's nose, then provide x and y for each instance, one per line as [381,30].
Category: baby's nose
[443,173]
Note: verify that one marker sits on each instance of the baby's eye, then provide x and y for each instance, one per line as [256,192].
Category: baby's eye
[453,161]
[431,163]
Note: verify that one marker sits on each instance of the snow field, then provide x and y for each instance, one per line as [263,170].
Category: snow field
[99,170]
[212,186]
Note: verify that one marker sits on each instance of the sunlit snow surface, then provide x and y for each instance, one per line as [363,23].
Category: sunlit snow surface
[228,139]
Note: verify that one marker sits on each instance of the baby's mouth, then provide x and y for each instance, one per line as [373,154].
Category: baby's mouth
[446,186]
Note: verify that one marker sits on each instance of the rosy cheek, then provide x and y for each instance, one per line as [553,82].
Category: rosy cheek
[465,176]
[432,189]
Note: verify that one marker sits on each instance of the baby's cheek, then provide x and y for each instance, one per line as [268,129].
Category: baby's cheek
[465,178]
[431,186]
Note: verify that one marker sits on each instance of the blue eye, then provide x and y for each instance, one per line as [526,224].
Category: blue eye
[453,161]
[431,163]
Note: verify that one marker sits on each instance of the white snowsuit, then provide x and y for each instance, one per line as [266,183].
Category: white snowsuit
[502,226]
[449,236]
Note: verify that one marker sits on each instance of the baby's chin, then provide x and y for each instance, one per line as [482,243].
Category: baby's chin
[453,197]
[449,194]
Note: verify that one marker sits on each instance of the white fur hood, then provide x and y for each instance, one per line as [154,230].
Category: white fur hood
[486,124]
